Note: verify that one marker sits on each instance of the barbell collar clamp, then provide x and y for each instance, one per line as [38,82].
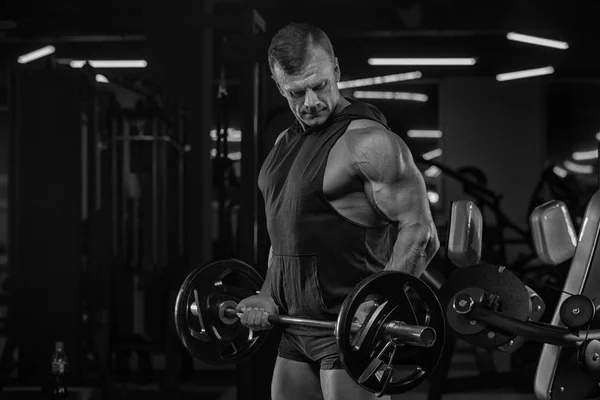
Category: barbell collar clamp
[225,317]
[399,332]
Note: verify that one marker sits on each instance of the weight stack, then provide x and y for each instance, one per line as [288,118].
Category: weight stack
[46,228]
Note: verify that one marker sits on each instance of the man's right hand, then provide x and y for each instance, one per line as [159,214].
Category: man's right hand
[255,311]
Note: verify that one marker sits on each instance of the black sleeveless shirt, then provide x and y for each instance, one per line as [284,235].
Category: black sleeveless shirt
[319,256]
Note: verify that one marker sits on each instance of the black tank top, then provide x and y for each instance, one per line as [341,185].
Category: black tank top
[319,256]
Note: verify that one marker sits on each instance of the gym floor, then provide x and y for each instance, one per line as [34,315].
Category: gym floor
[218,383]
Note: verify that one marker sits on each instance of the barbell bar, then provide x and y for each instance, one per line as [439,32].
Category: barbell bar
[413,335]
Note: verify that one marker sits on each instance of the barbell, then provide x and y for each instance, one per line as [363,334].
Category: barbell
[393,350]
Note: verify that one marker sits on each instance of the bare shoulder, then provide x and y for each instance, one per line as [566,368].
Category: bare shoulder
[370,138]
[359,124]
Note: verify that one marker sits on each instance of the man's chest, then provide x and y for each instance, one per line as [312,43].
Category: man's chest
[305,165]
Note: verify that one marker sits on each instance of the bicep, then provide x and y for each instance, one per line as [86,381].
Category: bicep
[393,184]
[403,201]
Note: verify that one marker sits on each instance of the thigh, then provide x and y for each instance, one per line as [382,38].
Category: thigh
[338,385]
[295,380]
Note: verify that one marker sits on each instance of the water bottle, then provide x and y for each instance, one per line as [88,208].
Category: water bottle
[59,370]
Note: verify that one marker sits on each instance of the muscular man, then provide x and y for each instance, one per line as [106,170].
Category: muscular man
[343,200]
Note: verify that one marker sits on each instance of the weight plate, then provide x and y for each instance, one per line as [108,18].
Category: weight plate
[201,325]
[513,302]
[400,298]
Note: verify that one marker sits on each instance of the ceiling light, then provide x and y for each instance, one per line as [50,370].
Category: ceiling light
[433,197]
[421,61]
[577,168]
[416,133]
[101,78]
[559,171]
[378,80]
[585,155]
[360,94]
[524,74]
[77,63]
[109,63]
[34,55]
[518,37]
[432,172]
[432,154]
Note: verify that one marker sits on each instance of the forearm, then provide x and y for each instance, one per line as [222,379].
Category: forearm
[414,248]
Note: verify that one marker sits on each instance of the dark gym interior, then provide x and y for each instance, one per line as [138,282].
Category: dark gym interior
[131,138]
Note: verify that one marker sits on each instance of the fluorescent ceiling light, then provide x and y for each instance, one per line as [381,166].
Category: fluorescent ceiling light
[77,63]
[433,197]
[585,155]
[101,78]
[432,154]
[518,37]
[560,171]
[416,133]
[118,63]
[360,94]
[421,61]
[577,168]
[233,135]
[34,55]
[378,80]
[109,63]
[528,73]
[432,172]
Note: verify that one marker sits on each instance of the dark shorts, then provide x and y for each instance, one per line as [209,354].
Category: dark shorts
[320,350]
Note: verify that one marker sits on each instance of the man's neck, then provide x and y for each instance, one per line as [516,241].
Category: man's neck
[342,103]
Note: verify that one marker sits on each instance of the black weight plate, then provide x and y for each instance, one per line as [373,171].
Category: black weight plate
[493,279]
[209,338]
[409,300]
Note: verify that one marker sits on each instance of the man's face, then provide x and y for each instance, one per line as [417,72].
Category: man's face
[312,94]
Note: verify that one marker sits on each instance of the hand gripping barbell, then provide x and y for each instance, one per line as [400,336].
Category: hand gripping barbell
[395,348]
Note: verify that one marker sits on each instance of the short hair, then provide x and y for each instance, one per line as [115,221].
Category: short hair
[290,46]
